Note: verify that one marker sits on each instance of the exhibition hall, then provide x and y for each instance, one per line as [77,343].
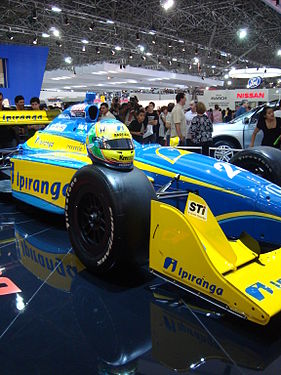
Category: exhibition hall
[140,187]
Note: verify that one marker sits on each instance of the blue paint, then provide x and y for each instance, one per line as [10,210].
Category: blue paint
[37,202]
[25,70]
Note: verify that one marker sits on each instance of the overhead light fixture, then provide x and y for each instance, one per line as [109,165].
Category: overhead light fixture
[130,56]
[226,76]
[84,41]
[183,49]
[34,14]
[118,48]
[143,57]
[229,83]
[159,61]
[137,36]
[92,26]
[279,52]
[97,50]
[242,33]
[170,45]
[83,48]
[196,60]
[45,35]
[56,9]
[113,52]
[66,21]
[153,41]
[181,41]
[110,22]
[35,40]
[141,48]
[174,59]
[55,31]
[148,54]
[58,43]
[196,51]
[170,62]
[68,60]
[152,32]
[167,4]
[10,36]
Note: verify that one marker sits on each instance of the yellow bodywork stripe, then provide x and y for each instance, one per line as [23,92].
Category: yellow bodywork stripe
[152,169]
[231,215]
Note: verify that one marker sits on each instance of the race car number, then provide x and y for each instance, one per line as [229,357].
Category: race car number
[230,171]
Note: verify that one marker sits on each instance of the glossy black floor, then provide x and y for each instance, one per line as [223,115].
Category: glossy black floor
[56,318]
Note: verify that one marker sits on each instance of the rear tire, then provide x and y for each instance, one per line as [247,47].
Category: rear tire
[263,161]
[108,217]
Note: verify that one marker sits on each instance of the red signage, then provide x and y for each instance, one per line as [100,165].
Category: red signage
[7,286]
[250,95]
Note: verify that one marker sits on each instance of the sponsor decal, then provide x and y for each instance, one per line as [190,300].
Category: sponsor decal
[197,210]
[7,286]
[250,95]
[172,266]
[43,143]
[259,290]
[57,127]
[76,148]
[254,82]
[20,118]
[273,189]
[37,185]
[219,97]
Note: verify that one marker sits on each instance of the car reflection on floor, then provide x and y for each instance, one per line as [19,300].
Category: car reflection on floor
[58,318]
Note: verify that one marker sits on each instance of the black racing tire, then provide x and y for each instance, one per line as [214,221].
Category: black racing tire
[108,217]
[224,149]
[262,160]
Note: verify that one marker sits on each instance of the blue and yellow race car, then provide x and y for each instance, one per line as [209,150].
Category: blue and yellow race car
[92,172]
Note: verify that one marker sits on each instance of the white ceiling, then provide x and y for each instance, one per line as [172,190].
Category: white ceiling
[107,76]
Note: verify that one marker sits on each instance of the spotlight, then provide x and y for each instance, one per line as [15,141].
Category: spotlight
[35,40]
[56,9]
[170,45]
[66,21]
[153,41]
[159,62]
[84,41]
[45,35]
[92,26]
[196,60]
[143,58]
[167,4]
[118,48]
[58,43]
[196,51]
[83,48]
[137,36]
[34,14]
[113,52]
[141,48]
[130,56]
[10,36]
[229,83]
[55,31]
[68,60]
[97,50]
[226,76]
[242,33]
[170,62]
[183,49]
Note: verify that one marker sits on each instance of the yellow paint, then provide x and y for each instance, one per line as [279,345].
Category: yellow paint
[174,141]
[172,161]
[27,117]
[157,170]
[206,264]
[47,182]
[231,215]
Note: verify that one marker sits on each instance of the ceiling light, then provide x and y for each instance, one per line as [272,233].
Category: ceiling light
[113,52]
[143,57]
[174,59]
[229,83]
[35,40]
[153,41]
[10,36]
[130,56]
[68,60]
[92,26]
[167,4]
[181,41]
[55,31]
[279,52]
[58,43]
[159,62]
[118,48]
[196,60]
[170,62]
[152,32]
[56,9]
[83,48]
[34,14]
[148,54]
[45,35]
[183,49]
[84,41]
[226,76]
[242,33]
[213,66]
[137,36]
[110,22]
[170,45]
[97,50]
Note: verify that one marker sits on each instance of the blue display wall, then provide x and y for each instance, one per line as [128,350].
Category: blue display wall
[25,70]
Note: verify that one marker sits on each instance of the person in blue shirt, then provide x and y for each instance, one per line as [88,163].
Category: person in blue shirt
[242,109]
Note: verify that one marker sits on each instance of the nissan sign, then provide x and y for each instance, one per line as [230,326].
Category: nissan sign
[254,82]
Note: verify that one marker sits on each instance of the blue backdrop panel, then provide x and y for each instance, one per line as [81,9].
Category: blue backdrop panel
[25,70]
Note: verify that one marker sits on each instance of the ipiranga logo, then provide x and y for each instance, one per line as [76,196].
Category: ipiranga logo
[171,265]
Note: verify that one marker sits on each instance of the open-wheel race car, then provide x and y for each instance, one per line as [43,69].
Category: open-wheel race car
[92,172]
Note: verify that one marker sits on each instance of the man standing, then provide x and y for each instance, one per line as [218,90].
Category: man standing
[190,114]
[104,111]
[19,102]
[35,103]
[178,118]
[242,109]
[152,124]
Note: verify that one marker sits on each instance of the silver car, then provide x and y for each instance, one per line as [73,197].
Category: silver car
[236,134]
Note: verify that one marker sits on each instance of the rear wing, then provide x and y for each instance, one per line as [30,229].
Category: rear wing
[27,117]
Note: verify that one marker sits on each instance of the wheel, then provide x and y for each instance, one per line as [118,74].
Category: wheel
[263,160]
[108,217]
[224,151]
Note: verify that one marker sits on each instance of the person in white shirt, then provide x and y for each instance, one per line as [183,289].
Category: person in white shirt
[189,117]
[178,120]
[104,111]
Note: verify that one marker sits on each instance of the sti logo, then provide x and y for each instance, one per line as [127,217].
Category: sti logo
[198,210]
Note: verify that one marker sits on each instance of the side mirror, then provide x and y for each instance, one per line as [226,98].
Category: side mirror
[246,120]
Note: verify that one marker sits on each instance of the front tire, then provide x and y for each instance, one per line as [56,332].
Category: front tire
[108,217]
[263,161]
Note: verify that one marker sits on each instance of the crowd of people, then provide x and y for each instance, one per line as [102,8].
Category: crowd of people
[20,103]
